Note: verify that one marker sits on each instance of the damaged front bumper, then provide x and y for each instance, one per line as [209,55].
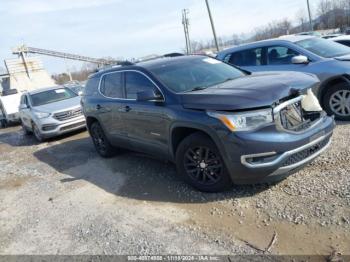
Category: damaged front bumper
[280,149]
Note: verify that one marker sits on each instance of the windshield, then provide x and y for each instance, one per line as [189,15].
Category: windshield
[195,74]
[324,47]
[51,96]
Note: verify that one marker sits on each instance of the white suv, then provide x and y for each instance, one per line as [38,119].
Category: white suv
[51,112]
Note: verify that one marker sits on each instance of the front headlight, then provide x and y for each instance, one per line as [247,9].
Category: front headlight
[41,114]
[244,121]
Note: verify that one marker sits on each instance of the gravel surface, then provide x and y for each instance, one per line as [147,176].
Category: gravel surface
[60,197]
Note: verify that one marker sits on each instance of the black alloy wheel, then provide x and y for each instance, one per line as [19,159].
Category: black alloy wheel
[102,145]
[203,165]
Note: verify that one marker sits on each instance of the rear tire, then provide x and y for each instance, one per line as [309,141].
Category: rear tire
[101,143]
[336,101]
[200,164]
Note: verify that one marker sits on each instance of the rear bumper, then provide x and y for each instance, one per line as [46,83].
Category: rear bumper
[270,155]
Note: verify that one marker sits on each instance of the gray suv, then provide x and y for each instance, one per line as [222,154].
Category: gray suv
[51,112]
[219,124]
[328,60]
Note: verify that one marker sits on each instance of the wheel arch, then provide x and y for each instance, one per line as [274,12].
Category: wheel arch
[332,82]
[90,120]
[180,131]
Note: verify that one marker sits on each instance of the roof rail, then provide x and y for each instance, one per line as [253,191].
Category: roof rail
[118,64]
[169,55]
[173,54]
[129,63]
[125,63]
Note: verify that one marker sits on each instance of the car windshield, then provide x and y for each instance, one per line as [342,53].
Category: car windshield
[324,47]
[195,74]
[51,96]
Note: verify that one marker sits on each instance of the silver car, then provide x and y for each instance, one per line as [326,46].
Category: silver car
[51,112]
[328,60]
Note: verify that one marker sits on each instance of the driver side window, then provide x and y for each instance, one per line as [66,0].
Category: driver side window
[136,82]
[280,55]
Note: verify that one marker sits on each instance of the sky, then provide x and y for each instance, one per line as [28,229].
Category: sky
[128,28]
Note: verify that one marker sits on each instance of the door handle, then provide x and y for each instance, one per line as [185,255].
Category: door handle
[124,109]
[98,107]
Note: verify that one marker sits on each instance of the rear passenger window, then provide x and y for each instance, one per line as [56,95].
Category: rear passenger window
[112,85]
[245,58]
[280,55]
[136,82]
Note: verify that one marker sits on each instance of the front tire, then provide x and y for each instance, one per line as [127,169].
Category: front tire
[200,164]
[336,101]
[25,130]
[37,133]
[101,143]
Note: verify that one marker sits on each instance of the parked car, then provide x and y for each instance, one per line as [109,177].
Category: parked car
[76,86]
[330,36]
[343,39]
[312,33]
[328,60]
[51,112]
[220,125]
[9,101]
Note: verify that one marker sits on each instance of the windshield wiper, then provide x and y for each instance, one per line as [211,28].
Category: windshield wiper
[198,88]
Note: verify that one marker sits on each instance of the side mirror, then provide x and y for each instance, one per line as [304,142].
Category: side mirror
[300,59]
[149,95]
[23,106]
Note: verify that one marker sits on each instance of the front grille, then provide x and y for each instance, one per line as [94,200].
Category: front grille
[80,124]
[300,156]
[294,118]
[66,115]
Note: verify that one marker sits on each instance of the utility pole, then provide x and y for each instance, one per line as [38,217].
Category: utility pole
[186,23]
[310,18]
[212,26]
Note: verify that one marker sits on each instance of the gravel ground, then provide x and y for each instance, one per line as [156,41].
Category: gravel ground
[60,197]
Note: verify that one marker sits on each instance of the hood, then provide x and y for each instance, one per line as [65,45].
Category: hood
[253,91]
[343,58]
[60,105]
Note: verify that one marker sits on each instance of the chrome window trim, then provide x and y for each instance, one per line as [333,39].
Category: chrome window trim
[128,99]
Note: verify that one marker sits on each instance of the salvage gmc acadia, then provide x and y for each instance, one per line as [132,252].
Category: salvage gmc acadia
[220,125]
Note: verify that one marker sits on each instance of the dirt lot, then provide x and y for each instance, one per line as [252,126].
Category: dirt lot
[60,197]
